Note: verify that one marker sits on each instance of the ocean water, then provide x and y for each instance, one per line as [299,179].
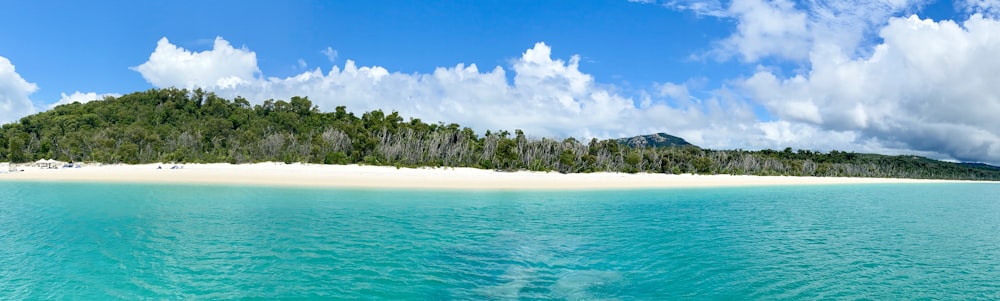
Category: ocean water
[875,242]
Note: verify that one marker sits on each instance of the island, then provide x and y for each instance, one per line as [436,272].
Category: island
[178,126]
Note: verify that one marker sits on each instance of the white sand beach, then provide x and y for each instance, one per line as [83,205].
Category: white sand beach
[280,174]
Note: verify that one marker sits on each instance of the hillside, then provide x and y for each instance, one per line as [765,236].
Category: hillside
[172,125]
[654,140]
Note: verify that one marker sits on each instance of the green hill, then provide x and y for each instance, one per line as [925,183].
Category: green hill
[654,140]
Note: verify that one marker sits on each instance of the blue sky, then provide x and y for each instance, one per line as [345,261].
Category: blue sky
[630,44]
[893,76]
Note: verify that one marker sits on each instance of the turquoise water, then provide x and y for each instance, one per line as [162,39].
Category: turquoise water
[94,241]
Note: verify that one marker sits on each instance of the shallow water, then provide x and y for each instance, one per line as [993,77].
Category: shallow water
[100,241]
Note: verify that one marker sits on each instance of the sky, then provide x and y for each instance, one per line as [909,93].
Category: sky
[913,77]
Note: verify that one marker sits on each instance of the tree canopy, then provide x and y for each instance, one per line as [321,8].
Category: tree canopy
[177,125]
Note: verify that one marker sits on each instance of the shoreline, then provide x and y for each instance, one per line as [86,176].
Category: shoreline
[371,177]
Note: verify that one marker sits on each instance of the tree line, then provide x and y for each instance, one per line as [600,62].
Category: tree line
[178,125]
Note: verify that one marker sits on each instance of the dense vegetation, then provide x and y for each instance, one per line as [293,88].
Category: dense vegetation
[172,125]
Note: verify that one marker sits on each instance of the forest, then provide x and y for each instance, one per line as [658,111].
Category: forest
[178,125]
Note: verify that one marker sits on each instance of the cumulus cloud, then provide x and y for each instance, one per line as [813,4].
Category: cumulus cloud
[929,87]
[14,91]
[866,79]
[767,28]
[221,67]
[81,98]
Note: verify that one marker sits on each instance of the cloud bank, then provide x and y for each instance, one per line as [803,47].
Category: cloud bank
[930,86]
[866,75]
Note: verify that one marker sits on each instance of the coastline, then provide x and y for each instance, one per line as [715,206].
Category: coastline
[356,176]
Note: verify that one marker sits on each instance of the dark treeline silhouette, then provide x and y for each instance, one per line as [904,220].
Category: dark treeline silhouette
[176,125]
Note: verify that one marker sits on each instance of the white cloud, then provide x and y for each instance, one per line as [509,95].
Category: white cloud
[712,8]
[866,80]
[14,91]
[81,98]
[929,87]
[851,26]
[767,28]
[221,67]
[675,91]
[330,53]
[989,8]
[790,30]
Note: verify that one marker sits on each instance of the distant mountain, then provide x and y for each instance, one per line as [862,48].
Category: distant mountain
[654,140]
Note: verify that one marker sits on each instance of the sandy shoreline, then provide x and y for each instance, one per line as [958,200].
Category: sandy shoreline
[311,175]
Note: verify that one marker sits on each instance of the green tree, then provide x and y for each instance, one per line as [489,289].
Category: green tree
[567,160]
[507,154]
